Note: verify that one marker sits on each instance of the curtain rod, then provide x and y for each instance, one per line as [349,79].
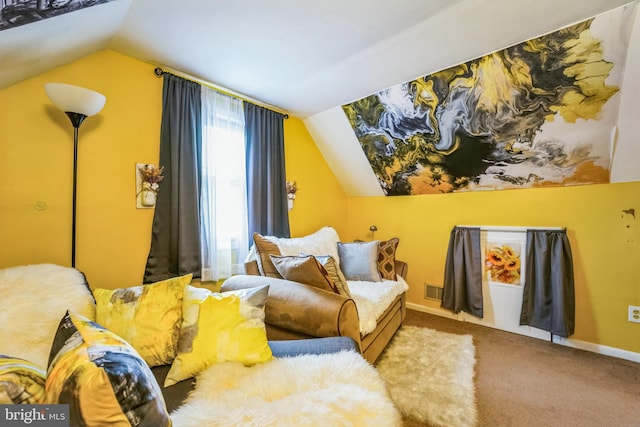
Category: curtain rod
[158,71]
[510,228]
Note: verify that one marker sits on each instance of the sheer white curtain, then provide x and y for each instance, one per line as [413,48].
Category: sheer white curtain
[224,196]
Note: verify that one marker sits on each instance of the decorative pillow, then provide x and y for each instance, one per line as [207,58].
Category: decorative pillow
[322,242]
[102,378]
[387,258]
[148,317]
[220,327]
[21,381]
[359,261]
[304,269]
[264,248]
[34,298]
[335,274]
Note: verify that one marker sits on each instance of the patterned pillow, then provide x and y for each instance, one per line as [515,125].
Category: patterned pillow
[21,381]
[101,377]
[147,317]
[335,274]
[359,261]
[304,269]
[220,327]
[387,258]
[265,248]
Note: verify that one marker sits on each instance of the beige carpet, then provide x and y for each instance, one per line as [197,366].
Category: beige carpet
[430,376]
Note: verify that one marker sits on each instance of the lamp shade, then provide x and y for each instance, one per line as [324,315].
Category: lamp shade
[75,99]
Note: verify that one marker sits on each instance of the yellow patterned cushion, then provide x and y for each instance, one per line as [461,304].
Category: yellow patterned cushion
[21,381]
[148,317]
[220,327]
[102,378]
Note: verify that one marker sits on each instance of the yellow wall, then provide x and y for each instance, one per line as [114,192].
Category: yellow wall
[36,154]
[320,200]
[113,236]
[605,243]
[36,167]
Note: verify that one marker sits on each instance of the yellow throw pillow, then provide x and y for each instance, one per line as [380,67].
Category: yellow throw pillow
[21,381]
[148,316]
[102,378]
[220,327]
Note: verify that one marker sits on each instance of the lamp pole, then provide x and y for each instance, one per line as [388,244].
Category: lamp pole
[78,103]
[76,121]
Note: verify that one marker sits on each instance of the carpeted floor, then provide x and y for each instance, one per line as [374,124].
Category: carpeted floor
[434,386]
[522,381]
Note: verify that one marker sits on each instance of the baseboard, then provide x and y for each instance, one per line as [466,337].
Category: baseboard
[598,348]
[433,310]
[568,342]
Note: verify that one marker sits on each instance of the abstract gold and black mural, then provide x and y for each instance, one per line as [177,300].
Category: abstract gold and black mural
[14,13]
[537,114]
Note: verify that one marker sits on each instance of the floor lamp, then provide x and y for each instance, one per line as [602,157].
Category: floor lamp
[78,103]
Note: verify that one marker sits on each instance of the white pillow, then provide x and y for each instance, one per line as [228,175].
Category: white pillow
[322,242]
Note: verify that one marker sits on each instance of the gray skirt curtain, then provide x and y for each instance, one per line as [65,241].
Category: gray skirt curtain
[549,293]
[548,302]
[463,272]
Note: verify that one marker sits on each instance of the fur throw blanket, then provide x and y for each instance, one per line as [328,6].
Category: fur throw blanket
[33,300]
[309,390]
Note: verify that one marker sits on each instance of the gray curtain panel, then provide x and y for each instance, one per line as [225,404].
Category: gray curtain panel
[175,238]
[266,180]
[549,296]
[463,272]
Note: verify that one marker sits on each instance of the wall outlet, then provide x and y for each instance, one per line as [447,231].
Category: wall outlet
[634,314]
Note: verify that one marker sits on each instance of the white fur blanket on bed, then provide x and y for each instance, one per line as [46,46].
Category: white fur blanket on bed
[339,389]
[373,298]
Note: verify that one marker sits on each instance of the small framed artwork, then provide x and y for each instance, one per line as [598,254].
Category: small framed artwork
[503,262]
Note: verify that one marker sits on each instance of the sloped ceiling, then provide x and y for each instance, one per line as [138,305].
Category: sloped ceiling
[303,57]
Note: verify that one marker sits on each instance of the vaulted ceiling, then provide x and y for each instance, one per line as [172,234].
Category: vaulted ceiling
[304,57]
[300,56]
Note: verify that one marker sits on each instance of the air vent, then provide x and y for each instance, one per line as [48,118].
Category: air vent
[432,292]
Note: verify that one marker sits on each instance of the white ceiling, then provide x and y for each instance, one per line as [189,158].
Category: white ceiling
[301,56]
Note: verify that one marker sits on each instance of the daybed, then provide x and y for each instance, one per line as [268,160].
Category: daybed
[370,313]
[62,342]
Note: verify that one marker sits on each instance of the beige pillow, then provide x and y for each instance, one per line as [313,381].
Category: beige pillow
[335,274]
[304,269]
[265,248]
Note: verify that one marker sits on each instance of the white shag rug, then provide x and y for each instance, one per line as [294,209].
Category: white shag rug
[429,375]
[340,389]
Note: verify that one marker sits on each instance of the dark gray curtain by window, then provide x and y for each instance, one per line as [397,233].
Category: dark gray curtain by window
[175,238]
[266,180]
[463,272]
[549,296]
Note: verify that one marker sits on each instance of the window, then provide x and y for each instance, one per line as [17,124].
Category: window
[224,196]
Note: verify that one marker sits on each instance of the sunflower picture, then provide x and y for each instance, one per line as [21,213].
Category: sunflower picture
[502,263]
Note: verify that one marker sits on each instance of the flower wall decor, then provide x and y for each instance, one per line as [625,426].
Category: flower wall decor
[148,179]
[502,263]
[292,189]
